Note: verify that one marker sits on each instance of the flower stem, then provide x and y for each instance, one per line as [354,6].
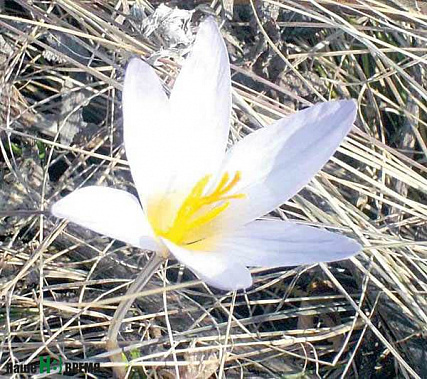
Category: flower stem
[148,271]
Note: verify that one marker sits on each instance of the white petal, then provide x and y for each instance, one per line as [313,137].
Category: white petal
[200,105]
[146,129]
[266,243]
[277,161]
[214,268]
[108,211]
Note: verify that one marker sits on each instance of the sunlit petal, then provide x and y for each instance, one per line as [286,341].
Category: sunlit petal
[200,106]
[147,129]
[108,211]
[216,268]
[277,161]
[268,243]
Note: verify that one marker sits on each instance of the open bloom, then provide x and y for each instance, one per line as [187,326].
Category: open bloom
[199,202]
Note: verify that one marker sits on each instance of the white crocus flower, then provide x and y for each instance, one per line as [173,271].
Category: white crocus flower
[199,202]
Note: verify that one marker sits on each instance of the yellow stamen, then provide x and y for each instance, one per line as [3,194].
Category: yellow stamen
[198,209]
[235,180]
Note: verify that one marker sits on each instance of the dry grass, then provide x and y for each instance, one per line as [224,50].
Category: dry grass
[61,73]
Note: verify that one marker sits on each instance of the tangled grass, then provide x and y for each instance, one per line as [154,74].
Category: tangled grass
[61,70]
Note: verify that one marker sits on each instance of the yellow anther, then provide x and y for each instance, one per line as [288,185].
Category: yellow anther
[199,208]
[235,180]
[223,181]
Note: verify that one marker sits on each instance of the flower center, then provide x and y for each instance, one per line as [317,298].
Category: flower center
[198,209]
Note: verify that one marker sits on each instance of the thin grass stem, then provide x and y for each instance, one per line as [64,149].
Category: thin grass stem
[120,313]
